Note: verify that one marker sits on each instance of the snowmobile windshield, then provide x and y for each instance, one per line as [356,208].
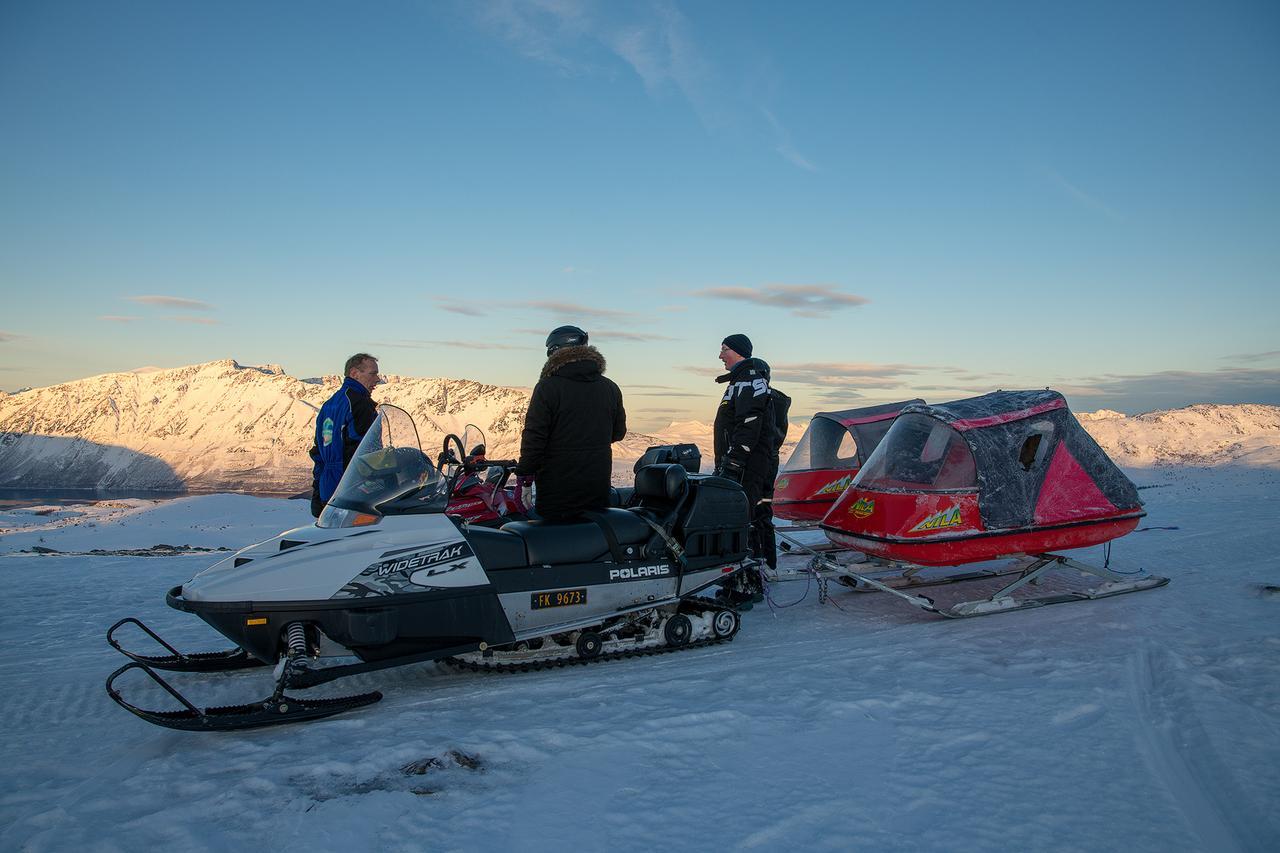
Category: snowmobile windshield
[388,464]
[825,444]
[920,454]
[473,441]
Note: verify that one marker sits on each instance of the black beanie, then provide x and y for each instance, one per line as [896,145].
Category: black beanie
[740,344]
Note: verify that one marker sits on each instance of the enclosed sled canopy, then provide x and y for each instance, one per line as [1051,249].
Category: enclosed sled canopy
[1027,456]
[844,439]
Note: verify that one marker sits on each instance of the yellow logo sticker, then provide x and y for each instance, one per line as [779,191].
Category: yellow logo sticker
[862,508]
[945,518]
[836,487]
[782,484]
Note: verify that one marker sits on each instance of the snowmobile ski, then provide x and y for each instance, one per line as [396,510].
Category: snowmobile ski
[176,661]
[277,709]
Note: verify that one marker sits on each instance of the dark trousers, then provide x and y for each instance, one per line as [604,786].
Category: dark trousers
[757,482]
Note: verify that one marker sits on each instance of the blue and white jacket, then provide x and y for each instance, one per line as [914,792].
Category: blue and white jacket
[342,422]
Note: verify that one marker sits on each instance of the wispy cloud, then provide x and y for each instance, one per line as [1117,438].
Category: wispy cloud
[617,335]
[666,394]
[1084,198]
[1175,388]
[195,321]
[571,309]
[698,370]
[664,410]
[6,337]
[432,344]
[802,300]
[836,399]
[542,30]
[654,40]
[1254,356]
[783,143]
[172,302]
[844,374]
[119,318]
[454,306]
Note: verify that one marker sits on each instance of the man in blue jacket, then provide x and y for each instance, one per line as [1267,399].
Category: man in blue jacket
[343,420]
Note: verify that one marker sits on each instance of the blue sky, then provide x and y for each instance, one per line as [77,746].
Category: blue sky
[891,199]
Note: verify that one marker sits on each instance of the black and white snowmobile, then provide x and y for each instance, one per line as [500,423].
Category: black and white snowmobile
[387,577]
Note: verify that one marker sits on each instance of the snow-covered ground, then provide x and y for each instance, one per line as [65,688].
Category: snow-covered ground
[1142,722]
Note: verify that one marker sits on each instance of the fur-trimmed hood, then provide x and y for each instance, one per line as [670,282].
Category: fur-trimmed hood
[566,356]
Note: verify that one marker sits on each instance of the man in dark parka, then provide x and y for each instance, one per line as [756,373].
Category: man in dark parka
[575,413]
[746,445]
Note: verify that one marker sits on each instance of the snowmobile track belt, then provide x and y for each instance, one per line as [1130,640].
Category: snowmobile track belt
[554,663]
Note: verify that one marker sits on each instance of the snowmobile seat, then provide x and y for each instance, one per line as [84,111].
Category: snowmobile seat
[498,549]
[659,487]
[660,492]
[550,543]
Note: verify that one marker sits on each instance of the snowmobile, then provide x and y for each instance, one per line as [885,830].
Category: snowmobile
[1007,476]
[482,492]
[387,577]
[827,458]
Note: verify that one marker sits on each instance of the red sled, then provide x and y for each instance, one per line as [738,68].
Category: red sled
[1001,475]
[827,458]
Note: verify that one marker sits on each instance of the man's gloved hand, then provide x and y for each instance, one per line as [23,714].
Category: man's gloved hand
[524,491]
[731,469]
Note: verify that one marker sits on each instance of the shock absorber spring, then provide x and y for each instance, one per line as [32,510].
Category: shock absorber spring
[297,639]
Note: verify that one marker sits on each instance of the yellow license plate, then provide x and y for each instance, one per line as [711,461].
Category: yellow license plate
[559,598]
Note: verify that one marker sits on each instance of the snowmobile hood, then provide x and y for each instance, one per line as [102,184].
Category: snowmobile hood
[318,564]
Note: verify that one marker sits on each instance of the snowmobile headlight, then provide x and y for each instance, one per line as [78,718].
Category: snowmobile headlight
[337,517]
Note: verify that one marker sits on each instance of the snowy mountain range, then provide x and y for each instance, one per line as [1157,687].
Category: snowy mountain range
[223,426]
[1202,435]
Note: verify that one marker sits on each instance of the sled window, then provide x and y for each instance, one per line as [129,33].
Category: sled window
[825,444]
[1029,448]
[920,454]
[869,437]
[847,452]
[1036,446]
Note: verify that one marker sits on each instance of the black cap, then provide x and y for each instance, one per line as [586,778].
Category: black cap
[565,336]
[740,344]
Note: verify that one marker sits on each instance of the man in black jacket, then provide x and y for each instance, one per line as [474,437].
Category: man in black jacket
[745,441]
[575,413]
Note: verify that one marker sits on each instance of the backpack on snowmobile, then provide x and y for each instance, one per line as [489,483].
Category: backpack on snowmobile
[779,405]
